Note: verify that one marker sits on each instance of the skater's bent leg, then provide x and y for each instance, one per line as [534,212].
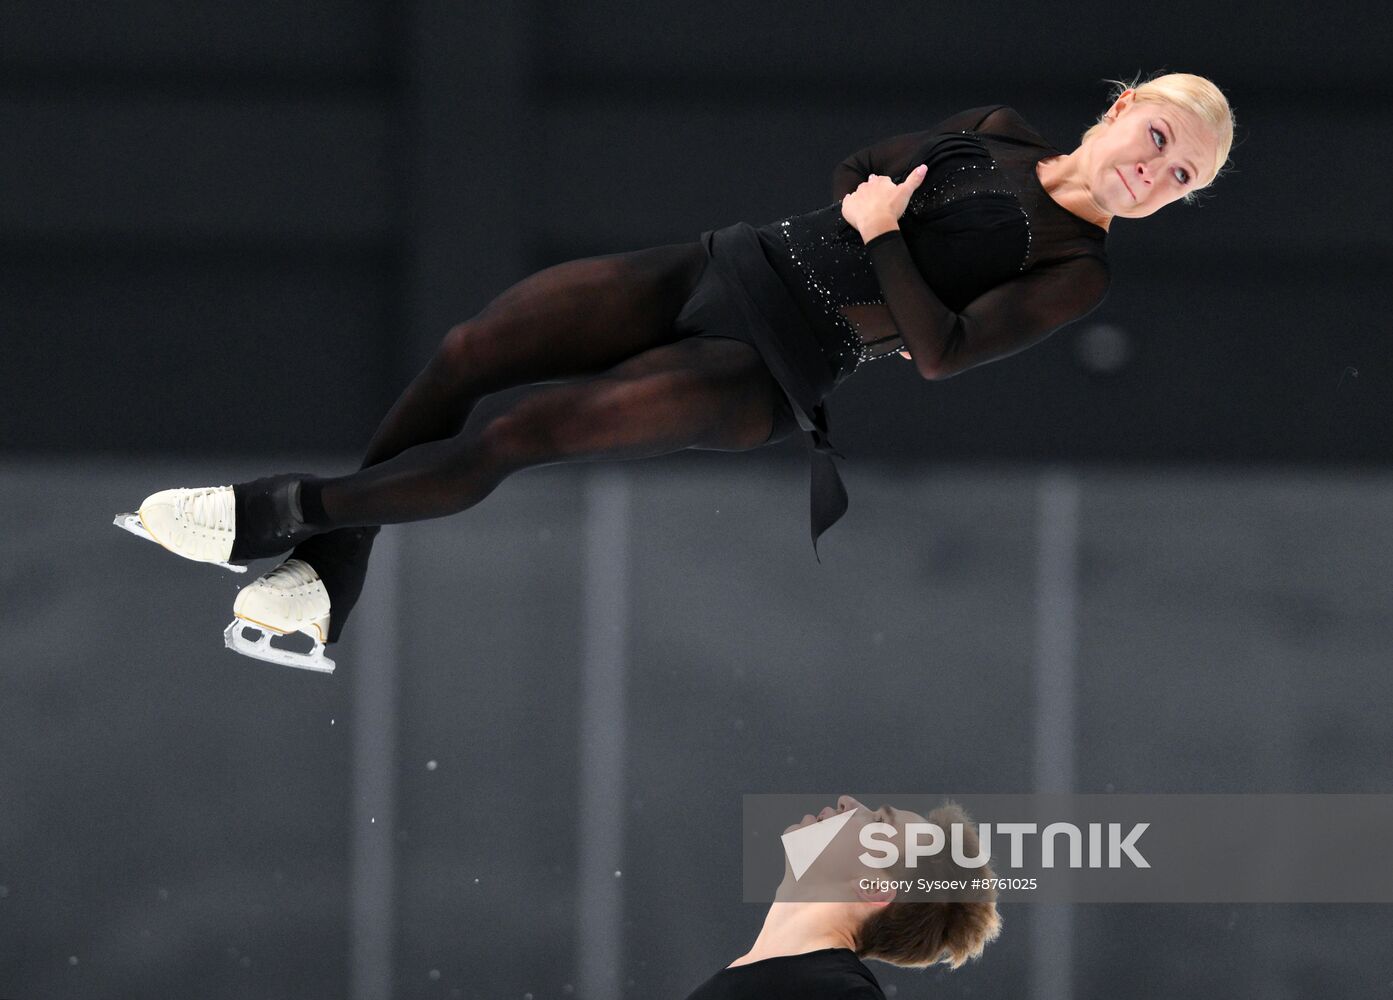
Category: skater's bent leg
[698,393]
[571,320]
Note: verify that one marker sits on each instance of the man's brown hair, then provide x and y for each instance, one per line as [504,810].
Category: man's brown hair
[916,933]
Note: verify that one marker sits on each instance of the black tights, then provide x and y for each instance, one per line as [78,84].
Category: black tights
[632,387]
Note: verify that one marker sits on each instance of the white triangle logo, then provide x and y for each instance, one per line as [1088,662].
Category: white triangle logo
[805,846]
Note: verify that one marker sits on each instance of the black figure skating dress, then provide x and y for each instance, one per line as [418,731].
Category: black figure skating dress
[984,259]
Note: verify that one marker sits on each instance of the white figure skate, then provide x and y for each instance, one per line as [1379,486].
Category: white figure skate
[291,598]
[197,524]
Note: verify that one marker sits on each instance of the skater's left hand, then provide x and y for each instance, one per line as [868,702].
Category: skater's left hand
[878,202]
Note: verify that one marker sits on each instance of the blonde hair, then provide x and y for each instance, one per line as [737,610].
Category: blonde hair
[1199,96]
[920,934]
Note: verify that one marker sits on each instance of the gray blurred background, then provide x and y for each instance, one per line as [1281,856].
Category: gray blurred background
[1149,555]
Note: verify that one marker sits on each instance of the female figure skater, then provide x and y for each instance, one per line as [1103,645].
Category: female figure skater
[953,247]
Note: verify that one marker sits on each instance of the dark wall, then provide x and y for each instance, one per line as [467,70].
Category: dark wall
[243,227]
[201,222]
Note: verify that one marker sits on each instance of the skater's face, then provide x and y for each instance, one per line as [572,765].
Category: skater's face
[838,869]
[1149,155]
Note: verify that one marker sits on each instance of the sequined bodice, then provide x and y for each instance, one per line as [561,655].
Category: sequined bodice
[979,218]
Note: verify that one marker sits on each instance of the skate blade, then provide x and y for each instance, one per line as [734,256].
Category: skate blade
[133,524]
[261,648]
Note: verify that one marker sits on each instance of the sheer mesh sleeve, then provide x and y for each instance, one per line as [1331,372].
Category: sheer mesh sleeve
[894,157]
[1009,318]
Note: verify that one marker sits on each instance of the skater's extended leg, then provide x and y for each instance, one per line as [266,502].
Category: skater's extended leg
[696,393]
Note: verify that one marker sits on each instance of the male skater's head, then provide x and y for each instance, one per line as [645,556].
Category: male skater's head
[885,913]
[839,910]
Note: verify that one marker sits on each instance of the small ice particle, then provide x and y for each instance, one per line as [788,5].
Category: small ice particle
[245,962]
[431,765]
[527,996]
[332,721]
[4,891]
[72,959]
[476,881]
[618,873]
[164,894]
[739,724]
[373,820]
[435,973]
